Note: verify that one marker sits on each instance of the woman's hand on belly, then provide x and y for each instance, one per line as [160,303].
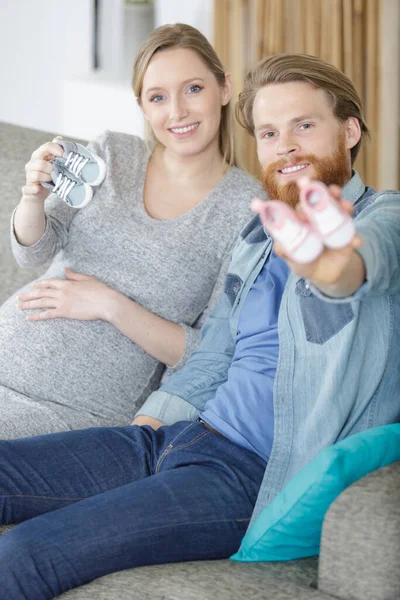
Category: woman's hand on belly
[85,298]
[80,297]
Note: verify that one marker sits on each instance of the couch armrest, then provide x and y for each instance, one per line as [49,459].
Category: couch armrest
[360,544]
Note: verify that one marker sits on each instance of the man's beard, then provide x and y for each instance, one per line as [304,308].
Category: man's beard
[331,169]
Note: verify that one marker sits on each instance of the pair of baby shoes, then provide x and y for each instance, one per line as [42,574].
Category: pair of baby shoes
[328,224]
[75,173]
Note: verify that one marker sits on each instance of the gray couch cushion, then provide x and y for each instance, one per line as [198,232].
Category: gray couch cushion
[360,546]
[213,580]
[16,147]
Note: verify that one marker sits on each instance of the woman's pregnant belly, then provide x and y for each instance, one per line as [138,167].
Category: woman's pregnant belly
[89,364]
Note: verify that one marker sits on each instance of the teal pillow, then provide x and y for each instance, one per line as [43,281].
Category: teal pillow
[290,527]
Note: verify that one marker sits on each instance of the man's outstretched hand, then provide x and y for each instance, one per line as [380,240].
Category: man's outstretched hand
[337,273]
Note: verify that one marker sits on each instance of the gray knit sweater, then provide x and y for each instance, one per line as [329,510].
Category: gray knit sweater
[72,373]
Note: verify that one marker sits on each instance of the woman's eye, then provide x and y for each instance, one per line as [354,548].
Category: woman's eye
[194,89]
[156,98]
[268,134]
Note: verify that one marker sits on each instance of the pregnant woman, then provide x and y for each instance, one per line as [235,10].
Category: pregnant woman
[134,272]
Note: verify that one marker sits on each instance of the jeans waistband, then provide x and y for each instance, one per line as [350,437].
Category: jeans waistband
[207,426]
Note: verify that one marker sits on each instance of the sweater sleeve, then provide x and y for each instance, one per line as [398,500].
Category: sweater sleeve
[59,217]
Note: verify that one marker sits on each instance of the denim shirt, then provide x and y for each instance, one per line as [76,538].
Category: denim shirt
[339,359]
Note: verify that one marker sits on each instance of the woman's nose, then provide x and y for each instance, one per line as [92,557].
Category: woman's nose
[177,109]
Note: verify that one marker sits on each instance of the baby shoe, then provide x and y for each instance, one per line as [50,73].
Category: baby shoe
[335,226]
[67,187]
[299,241]
[81,162]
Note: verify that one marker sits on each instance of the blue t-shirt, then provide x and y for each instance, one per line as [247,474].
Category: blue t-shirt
[242,409]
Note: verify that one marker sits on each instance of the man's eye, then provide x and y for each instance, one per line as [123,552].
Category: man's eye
[306,126]
[194,89]
[156,98]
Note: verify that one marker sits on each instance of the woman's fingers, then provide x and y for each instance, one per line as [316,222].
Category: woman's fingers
[39,303]
[47,151]
[32,189]
[43,166]
[57,284]
[37,176]
[38,293]
[74,276]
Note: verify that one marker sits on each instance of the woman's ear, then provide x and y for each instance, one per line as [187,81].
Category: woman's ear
[352,132]
[226,90]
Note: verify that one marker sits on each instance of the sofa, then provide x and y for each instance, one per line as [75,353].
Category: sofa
[360,543]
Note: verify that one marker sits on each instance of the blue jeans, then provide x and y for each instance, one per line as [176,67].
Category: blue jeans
[105,499]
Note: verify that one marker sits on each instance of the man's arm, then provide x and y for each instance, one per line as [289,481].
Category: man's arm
[187,391]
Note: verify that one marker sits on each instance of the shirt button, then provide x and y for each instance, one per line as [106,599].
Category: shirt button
[307,286]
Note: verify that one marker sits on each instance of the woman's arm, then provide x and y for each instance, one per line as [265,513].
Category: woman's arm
[29,217]
[40,223]
[160,338]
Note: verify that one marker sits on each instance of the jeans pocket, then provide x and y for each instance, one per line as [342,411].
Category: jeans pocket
[322,320]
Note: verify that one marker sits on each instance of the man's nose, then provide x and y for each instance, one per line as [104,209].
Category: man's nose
[287,144]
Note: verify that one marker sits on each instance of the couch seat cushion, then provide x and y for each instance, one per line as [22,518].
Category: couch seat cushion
[207,580]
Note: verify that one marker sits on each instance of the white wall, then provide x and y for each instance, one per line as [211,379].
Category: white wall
[41,43]
[45,65]
[198,13]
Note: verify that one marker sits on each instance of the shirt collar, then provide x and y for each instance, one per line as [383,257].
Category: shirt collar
[354,189]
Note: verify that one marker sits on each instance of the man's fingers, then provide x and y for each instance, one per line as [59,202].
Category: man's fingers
[357,241]
[347,206]
[335,191]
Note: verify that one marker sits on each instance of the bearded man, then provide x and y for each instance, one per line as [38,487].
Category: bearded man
[299,356]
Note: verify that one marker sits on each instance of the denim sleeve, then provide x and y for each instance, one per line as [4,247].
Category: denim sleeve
[208,366]
[168,408]
[379,227]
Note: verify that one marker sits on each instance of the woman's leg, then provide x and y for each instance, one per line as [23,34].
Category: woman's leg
[196,505]
[44,473]
[22,417]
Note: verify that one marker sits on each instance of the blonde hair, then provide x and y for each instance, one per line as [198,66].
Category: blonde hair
[181,35]
[284,68]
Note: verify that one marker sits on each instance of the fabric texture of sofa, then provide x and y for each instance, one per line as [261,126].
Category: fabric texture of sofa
[360,544]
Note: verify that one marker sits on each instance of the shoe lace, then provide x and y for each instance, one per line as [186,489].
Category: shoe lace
[63,186]
[75,162]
